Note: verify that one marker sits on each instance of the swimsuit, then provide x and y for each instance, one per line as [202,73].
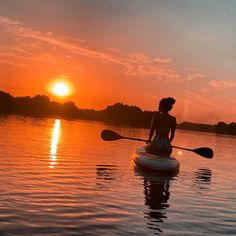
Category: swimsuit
[160,145]
[163,124]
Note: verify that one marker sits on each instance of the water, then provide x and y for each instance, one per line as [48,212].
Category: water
[59,178]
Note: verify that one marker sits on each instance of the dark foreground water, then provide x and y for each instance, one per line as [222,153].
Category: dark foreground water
[59,178]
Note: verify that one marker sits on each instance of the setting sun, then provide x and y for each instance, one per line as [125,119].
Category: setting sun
[60,89]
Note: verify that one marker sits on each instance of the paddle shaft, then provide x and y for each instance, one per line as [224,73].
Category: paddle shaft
[138,139]
[187,149]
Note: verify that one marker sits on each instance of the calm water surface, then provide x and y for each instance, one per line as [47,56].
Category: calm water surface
[59,178]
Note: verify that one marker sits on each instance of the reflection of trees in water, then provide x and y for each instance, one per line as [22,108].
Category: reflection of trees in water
[105,174]
[203,178]
[156,196]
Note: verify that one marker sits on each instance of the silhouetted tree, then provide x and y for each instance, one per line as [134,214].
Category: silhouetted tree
[223,128]
[119,113]
[123,114]
[6,102]
[69,109]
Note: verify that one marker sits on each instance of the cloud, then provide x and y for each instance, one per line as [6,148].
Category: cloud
[7,21]
[222,84]
[12,63]
[195,76]
[30,41]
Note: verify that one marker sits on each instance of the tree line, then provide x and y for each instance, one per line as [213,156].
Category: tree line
[117,114]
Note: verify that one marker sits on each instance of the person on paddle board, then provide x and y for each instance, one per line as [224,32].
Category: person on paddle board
[163,125]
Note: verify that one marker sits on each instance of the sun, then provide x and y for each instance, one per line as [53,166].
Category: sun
[60,89]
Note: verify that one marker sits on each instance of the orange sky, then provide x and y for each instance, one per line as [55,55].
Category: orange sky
[114,51]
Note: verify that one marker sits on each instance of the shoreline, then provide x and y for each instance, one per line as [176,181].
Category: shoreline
[118,114]
[109,123]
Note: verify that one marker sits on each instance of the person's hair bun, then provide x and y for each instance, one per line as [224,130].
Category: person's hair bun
[171,100]
[166,104]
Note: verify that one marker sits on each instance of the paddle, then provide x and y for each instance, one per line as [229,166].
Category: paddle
[109,135]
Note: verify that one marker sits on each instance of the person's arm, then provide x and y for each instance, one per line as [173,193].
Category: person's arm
[172,131]
[152,129]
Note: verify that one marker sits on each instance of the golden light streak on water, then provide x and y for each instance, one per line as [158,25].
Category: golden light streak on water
[54,144]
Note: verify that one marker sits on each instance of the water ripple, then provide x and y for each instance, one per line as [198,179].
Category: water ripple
[61,179]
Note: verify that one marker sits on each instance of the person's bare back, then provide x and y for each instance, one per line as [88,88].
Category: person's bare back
[163,125]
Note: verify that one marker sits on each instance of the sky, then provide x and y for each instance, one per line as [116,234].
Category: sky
[130,51]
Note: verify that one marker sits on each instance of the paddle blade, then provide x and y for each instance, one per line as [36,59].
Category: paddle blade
[204,151]
[109,135]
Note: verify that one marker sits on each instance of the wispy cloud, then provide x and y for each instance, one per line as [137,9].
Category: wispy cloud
[222,84]
[31,40]
[195,76]
[12,63]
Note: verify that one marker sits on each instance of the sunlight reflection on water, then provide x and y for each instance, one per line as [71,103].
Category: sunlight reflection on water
[54,144]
